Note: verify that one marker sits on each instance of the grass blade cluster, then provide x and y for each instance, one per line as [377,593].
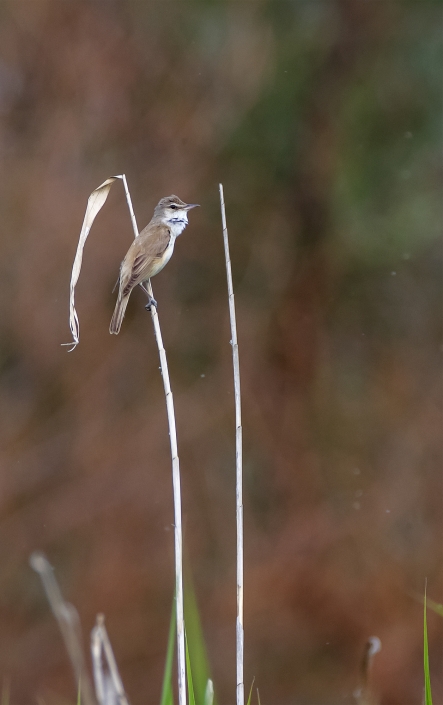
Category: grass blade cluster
[200,685]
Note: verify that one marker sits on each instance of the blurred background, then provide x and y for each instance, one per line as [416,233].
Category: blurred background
[323,120]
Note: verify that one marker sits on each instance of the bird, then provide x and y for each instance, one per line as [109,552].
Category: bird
[149,253]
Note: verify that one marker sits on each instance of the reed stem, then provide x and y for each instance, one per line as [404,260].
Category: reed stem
[178,539]
[238,461]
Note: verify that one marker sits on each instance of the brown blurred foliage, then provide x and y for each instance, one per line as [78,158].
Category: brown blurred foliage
[323,120]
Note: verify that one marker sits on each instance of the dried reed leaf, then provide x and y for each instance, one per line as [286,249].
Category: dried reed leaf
[95,202]
[108,685]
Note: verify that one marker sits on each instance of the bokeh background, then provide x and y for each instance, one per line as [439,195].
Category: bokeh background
[323,120]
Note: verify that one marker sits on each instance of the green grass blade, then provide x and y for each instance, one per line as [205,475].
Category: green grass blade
[167,696]
[434,606]
[250,692]
[191,694]
[196,643]
[428,693]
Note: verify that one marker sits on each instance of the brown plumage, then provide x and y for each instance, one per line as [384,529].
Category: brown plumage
[150,252]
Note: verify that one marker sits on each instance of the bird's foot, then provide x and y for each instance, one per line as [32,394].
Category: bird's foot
[151,302]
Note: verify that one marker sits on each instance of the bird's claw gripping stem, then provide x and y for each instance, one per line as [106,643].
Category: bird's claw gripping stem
[151,302]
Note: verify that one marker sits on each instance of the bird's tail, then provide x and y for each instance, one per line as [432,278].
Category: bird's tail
[119,314]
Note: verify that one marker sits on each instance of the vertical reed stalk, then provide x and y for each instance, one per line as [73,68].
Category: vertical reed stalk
[238,460]
[175,482]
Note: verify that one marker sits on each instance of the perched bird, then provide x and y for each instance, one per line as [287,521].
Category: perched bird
[149,253]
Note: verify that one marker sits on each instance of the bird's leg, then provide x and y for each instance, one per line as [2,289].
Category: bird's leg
[151,300]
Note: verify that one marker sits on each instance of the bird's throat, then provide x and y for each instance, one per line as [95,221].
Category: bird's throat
[177,225]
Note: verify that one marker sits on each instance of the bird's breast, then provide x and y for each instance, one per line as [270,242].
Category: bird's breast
[163,261]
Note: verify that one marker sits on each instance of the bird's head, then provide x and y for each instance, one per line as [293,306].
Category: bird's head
[173,210]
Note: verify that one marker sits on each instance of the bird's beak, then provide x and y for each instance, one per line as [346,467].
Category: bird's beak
[192,205]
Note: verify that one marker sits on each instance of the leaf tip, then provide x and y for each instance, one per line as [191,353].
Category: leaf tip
[74,344]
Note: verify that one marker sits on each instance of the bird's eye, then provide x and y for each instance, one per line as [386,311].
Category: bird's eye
[172,207]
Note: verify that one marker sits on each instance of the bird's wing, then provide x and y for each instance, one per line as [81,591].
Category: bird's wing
[140,260]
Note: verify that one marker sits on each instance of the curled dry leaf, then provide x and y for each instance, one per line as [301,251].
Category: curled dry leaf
[95,202]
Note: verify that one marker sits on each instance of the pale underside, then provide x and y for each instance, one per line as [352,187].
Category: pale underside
[149,253]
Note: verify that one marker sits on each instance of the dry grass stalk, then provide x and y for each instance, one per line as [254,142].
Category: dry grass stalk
[238,460]
[108,684]
[176,484]
[365,694]
[69,623]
